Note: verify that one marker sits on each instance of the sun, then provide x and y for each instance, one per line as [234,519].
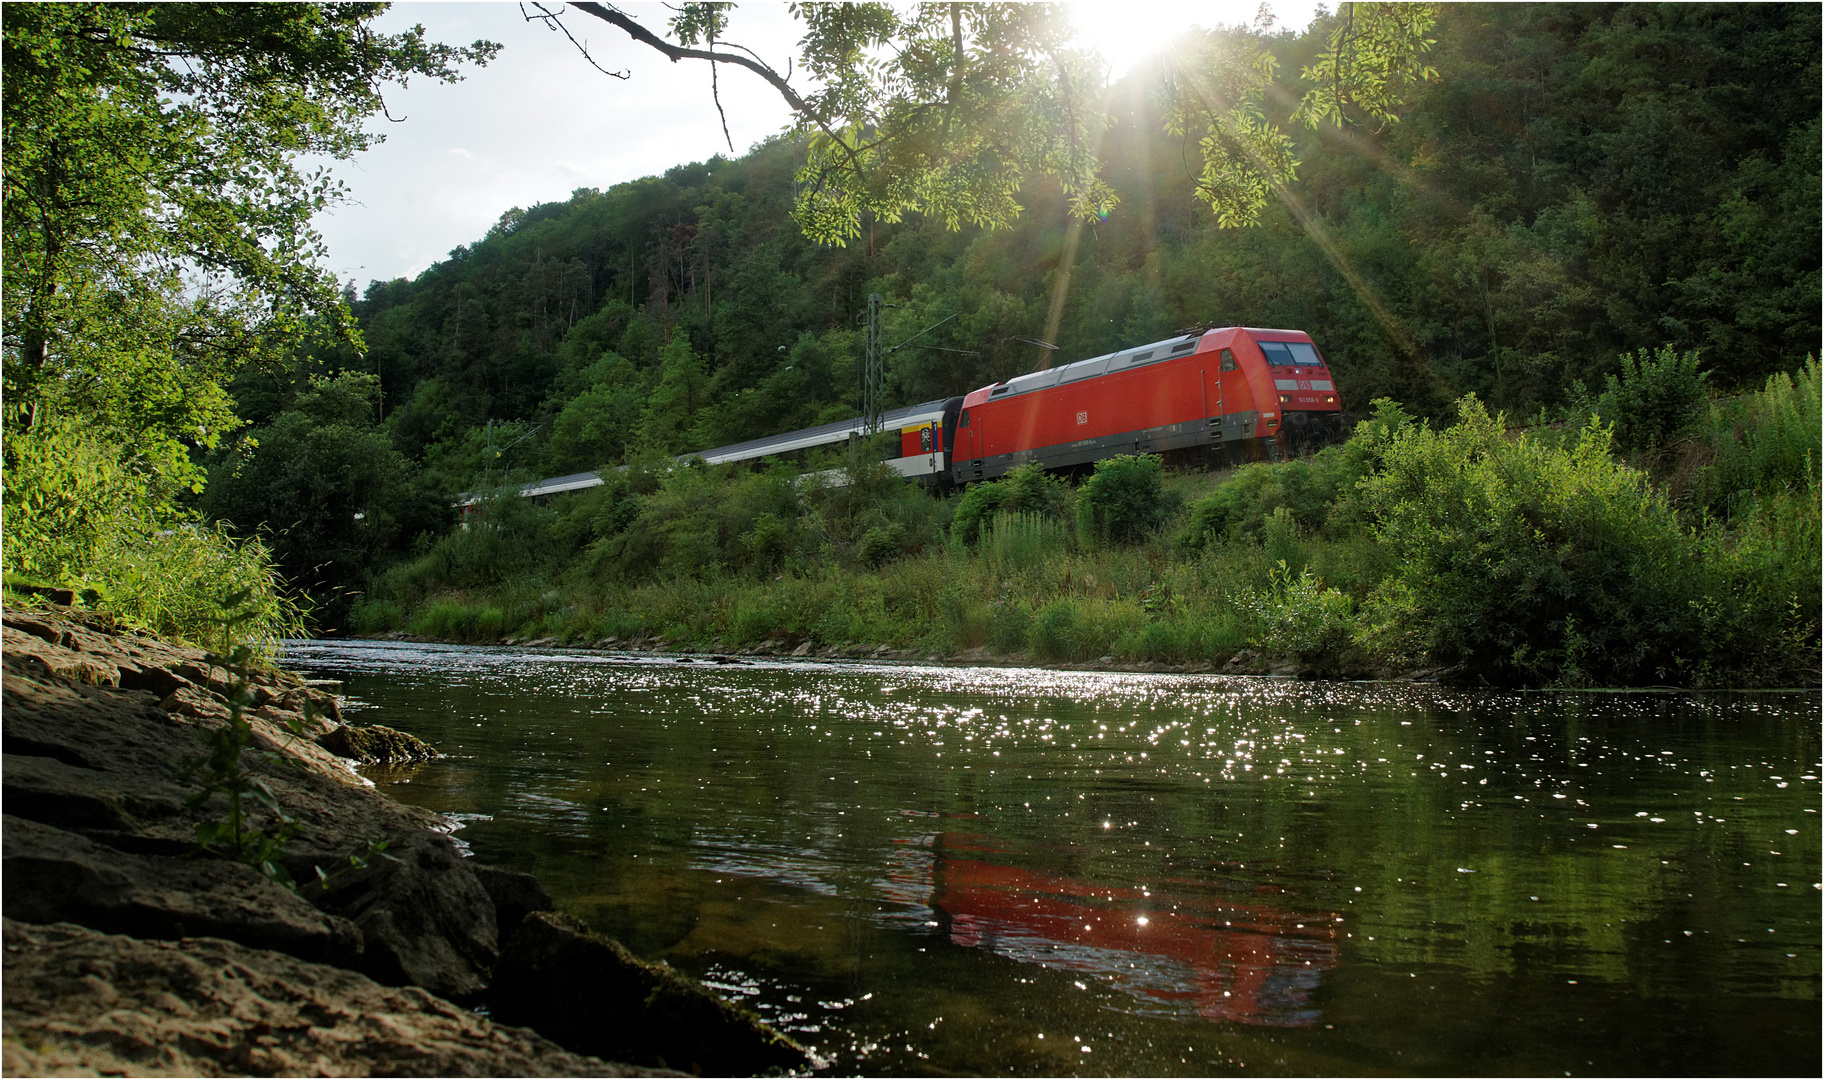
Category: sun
[1128,33]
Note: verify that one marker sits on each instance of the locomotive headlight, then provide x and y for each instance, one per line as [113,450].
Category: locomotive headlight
[1285,399]
[1330,399]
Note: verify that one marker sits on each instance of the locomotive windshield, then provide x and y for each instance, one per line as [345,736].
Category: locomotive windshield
[1289,353]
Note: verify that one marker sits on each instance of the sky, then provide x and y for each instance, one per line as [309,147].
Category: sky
[539,122]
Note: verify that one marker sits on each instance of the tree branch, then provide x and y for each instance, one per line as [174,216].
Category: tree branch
[614,17]
[552,22]
[715,93]
[675,53]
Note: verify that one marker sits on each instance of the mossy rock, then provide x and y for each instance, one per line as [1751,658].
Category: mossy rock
[376,745]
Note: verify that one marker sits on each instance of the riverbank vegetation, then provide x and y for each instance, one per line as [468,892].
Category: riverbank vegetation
[1537,555]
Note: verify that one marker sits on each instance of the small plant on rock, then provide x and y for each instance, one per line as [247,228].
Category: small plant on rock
[223,770]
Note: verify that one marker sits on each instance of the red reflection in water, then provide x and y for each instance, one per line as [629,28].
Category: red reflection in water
[1225,960]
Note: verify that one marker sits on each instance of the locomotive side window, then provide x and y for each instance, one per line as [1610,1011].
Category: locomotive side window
[963,421]
[1228,360]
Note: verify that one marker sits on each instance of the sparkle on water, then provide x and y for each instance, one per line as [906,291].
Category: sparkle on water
[918,869]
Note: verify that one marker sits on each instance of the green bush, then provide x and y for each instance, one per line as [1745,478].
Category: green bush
[1240,506]
[455,620]
[881,544]
[1026,489]
[369,615]
[1658,395]
[964,616]
[1281,539]
[1056,631]
[1300,617]
[975,508]
[1032,490]
[1008,622]
[1018,541]
[1529,563]
[1159,642]
[1125,500]
[768,541]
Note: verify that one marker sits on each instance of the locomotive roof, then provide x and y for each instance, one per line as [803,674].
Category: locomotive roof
[1166,349]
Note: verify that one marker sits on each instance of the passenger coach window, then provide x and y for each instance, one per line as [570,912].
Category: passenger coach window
[1228,360]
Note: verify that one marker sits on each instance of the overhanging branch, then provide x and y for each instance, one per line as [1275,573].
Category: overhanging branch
[675,53]
[552,22]
[615,17]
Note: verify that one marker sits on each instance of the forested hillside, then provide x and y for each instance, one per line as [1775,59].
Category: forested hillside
[1577,184]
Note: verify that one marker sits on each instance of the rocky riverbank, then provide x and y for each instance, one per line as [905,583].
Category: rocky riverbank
[131,949]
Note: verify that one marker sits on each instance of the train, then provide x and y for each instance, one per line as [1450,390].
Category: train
[1229,393]
[1236,391]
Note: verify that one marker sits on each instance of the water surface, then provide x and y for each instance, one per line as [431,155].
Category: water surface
[930,870]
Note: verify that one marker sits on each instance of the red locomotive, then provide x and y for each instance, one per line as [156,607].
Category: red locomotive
[1265,390]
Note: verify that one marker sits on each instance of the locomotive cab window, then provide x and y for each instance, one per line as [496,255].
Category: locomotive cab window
[963,420]
[1228,360]
[1304,355]
[1288,353]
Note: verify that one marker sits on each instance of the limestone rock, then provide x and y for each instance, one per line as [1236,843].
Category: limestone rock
[81,1002]
[53,876]
[424,917]
[98,759]
[590,994]
[105,763]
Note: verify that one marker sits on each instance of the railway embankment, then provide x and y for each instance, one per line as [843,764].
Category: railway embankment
[323,928]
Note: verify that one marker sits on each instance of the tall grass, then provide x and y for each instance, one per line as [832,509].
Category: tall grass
[1763,444]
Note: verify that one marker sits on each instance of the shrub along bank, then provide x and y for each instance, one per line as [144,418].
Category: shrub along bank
[91,510]
[1536,556]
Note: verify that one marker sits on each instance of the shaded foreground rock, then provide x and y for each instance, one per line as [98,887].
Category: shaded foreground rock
[515,893]
[113,767]
[78,1001]
[50,875]
[589,993]
[424,916]
[103,736]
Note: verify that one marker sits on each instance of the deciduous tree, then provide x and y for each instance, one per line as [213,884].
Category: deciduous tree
[157,219]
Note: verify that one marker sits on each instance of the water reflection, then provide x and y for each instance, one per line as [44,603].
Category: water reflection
[1179,953]
[921,869]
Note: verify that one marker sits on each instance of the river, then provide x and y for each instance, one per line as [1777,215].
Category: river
[925,870]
